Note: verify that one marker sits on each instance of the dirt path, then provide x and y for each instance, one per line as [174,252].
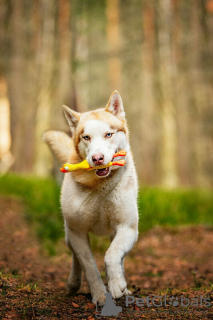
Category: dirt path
[172,262]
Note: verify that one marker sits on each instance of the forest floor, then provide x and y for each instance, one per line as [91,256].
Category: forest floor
[174,264]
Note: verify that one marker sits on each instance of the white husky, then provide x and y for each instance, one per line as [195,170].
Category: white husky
[101,201]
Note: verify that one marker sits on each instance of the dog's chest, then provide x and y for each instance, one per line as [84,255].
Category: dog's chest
[86,209]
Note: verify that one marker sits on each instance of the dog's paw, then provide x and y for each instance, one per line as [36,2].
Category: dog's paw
[100,299]
[117,287]
[73,287]
[127,292]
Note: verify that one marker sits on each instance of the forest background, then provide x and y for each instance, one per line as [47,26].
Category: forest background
[157,54]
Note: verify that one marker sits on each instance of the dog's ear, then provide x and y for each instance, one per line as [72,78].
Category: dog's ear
[115,105]
[72,117]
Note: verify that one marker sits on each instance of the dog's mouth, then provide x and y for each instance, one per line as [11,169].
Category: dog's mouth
[105,171]
[102,172]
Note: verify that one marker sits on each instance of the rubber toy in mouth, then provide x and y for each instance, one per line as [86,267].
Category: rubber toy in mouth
[84,165]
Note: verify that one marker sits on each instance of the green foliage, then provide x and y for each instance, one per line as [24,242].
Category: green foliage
[41,201]
[156,207]
[174,207]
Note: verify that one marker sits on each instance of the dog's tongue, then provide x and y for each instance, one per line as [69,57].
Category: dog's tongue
[102,172]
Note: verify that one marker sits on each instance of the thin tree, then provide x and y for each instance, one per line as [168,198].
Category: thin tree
[167,71]
[113,38]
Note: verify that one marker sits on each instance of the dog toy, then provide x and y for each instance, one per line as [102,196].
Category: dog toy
[84,165]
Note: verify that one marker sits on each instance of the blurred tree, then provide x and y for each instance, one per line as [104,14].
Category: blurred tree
[6,158]
[113,37]
[63,80]
[158,54]
[45,68]
[149,118]
[21,84]
[167,75]
[130,15]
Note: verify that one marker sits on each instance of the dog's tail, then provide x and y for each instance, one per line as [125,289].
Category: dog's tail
[60,144]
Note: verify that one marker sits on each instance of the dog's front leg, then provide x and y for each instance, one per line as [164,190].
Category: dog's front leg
[121,244]
[122,260]
[81,247]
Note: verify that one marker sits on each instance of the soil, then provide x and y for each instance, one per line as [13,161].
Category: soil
[174,264]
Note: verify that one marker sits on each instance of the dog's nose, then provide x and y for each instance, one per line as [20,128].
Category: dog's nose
[98,158]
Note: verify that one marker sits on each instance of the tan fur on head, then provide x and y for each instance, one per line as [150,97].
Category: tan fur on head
[60,143]
[66,149]
[103,115]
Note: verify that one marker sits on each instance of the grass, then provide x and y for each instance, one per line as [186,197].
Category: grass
[174,207]
[40,198]
[156,207]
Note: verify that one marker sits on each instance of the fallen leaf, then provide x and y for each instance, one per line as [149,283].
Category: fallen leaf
[90,305]
[75,305]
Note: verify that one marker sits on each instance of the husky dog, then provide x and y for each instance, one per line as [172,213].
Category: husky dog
[102,201]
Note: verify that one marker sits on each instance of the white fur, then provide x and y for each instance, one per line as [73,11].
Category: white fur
[108,209]
[98,143]
[60,143]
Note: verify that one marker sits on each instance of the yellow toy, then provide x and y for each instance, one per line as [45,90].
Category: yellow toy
[84,165]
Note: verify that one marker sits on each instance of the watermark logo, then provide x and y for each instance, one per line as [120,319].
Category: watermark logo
[158,301]
[110,308]
[174,301]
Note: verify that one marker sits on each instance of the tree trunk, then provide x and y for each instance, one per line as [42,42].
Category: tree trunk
[149,145]
[63,81]
[45,66]
[113,37]
[167,70]
[20,94]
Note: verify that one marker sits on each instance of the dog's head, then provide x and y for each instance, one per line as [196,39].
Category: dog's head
[100,133]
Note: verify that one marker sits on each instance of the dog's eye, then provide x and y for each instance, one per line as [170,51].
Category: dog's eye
[109,135]
[86,138]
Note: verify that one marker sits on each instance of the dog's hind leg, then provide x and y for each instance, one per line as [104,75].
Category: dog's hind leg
[74,279]
[81,247]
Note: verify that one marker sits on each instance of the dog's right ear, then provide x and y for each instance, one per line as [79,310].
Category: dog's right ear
[72,117]
[115,106]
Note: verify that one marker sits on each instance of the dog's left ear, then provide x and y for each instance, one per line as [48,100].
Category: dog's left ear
[115,106]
